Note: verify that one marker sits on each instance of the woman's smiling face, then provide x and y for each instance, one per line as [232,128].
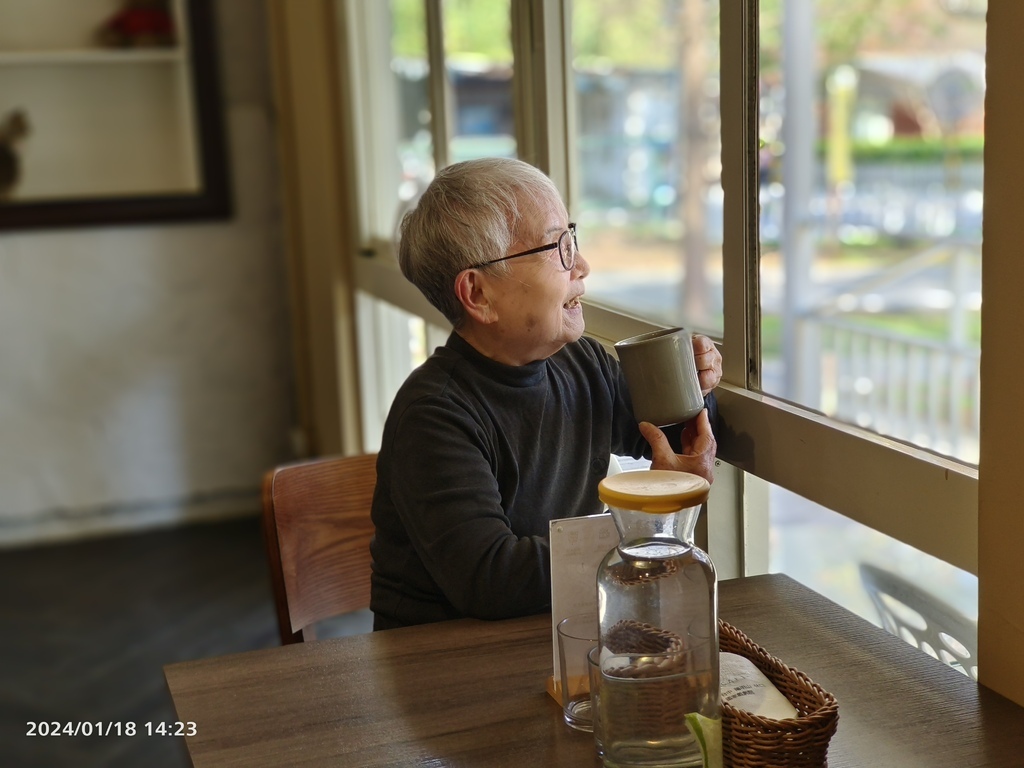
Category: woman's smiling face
[538,302]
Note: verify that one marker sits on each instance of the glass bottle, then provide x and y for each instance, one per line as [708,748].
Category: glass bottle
[658,636]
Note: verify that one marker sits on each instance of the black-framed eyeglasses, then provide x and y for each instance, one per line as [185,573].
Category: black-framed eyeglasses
[566,245]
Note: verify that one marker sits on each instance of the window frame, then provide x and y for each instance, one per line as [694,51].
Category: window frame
[326,243]
[924,500]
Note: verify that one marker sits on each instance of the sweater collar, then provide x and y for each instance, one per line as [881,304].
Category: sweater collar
[512,375]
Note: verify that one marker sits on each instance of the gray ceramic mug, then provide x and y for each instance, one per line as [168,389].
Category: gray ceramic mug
[662,376]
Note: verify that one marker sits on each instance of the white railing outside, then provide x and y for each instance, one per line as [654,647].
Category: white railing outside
[926,393]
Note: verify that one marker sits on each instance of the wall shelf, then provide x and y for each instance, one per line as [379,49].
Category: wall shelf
[58,57]
[115,134]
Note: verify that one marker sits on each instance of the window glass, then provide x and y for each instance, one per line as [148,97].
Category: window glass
[478,58]
[411,68]
[842,559]
[647,157]
[392,343]
[871,123]
[384,365]
[478,86]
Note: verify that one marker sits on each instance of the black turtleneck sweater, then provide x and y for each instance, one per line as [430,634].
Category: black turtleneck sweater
[476,458]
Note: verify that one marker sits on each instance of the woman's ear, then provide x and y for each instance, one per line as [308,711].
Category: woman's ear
[473,290]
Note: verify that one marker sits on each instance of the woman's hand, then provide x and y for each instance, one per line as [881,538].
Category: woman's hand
[709,362]
[698,444]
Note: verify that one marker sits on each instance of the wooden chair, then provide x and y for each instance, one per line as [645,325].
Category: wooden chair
[317,531]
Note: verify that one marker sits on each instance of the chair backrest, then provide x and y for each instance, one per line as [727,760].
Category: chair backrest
[317,531]
[922,619]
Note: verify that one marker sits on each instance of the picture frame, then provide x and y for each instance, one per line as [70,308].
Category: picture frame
[123,133]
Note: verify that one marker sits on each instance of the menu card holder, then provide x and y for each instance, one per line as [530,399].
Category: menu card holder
[578,544]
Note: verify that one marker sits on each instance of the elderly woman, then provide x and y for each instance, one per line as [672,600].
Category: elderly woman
[512,422]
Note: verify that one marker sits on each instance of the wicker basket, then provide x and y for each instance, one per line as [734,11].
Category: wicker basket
[750,741]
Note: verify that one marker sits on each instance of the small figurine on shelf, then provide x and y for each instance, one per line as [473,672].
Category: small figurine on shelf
[12,130]
[139,24]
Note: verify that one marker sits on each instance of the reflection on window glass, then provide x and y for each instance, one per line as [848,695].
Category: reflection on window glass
[410,65]
[647,154]
[853,566]
[478,57]
[871,122]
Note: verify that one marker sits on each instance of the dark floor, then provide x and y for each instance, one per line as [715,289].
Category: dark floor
[86,628]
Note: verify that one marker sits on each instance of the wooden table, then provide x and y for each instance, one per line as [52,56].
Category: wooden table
[472,693]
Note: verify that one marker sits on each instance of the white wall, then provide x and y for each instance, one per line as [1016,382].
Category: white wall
[145,375]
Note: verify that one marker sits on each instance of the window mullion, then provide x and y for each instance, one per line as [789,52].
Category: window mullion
[440,90]
[738,528]
[740,245]
[544,111]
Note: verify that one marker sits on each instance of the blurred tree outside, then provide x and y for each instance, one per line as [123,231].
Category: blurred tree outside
[473,29]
